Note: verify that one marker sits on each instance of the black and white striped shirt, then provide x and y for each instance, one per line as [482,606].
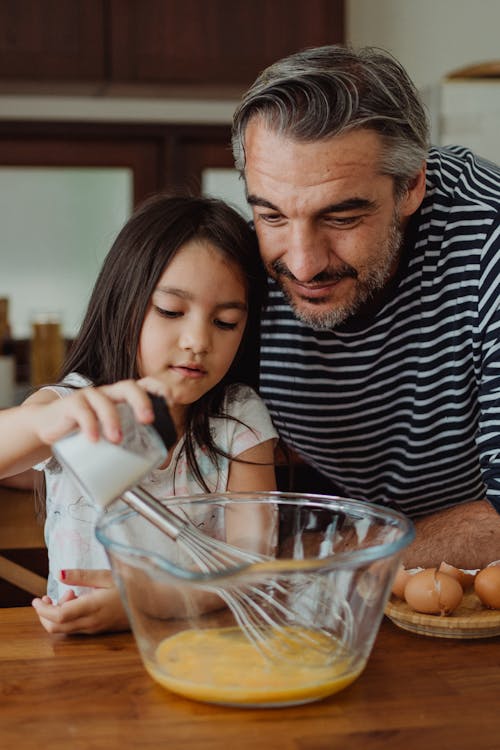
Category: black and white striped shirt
[404,408]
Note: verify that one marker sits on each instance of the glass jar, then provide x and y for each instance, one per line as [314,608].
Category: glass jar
[47,348]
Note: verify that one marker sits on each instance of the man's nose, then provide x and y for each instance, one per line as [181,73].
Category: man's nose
[306,252]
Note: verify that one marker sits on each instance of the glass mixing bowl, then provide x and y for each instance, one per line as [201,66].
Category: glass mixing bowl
[290,618]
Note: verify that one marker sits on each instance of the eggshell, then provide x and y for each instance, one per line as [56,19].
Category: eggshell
[464,577]
[487,586]
[433,593]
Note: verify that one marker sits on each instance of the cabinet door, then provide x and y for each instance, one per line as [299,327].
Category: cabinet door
[208,42]
[53,40]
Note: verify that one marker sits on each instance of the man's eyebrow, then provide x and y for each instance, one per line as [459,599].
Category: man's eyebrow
[349,204]
[254,200]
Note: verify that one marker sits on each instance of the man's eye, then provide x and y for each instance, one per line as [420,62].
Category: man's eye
[225,325]
[270,218]
[343,221]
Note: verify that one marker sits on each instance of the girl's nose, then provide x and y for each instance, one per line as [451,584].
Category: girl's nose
[196,339]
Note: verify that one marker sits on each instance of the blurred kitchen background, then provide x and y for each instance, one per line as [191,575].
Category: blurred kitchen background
[103,102]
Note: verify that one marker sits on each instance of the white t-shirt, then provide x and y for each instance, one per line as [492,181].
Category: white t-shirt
[71,518]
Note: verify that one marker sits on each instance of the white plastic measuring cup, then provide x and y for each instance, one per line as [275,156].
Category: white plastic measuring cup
[104,470]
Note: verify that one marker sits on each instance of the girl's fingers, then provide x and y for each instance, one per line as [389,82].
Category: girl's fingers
[134,394]
[99,579]
[64,617]
[160,386]
[68,596]
[93,411]
[98,611]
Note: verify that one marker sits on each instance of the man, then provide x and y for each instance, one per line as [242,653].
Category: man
[380,358]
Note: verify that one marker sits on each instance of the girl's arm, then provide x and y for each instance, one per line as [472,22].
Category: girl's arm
[20,437]
[28,431]
[253,526]
[23,481]
[257,473]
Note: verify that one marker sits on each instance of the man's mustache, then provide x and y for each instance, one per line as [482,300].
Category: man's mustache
[326,276]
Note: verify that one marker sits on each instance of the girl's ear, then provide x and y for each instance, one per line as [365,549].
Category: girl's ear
[414,195]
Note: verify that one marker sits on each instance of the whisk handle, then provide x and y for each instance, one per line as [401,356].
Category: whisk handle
[155,512]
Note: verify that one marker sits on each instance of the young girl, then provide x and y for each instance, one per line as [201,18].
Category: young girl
[173,312]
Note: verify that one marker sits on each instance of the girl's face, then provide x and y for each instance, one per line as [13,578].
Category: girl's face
[195,321]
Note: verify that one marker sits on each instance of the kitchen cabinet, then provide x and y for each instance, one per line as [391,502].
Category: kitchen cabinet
[52,40]
[213,42]
[207,44]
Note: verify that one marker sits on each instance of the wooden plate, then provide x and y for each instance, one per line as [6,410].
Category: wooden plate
[470,620]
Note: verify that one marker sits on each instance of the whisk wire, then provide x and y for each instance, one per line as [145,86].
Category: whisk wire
[272,626]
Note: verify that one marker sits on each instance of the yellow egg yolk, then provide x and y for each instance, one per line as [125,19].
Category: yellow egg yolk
[221,665]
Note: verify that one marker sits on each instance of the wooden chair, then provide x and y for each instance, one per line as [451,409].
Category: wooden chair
[21,536]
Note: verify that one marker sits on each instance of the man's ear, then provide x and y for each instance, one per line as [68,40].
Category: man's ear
[414,195]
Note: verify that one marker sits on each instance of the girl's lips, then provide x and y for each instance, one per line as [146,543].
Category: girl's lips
[188,372]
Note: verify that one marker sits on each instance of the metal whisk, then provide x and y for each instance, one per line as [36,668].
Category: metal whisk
[268,623]
[260,607]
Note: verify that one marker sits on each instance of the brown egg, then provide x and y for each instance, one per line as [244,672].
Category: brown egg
[400,581]
[487,585]
[464,577]
[433,593]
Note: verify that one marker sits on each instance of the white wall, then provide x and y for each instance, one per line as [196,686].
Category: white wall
[429,37]
[57,226]
[433,38]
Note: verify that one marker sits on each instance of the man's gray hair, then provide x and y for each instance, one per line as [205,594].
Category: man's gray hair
[326,91]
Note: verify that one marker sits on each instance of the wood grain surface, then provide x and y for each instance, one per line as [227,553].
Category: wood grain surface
[88,693]
[23,555]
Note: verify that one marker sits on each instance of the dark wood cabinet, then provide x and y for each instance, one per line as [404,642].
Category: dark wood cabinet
[161,157]
[202,44]
[109,47]
[52,40]
[214,41]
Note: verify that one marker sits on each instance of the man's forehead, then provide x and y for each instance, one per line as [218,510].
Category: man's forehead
[272,156]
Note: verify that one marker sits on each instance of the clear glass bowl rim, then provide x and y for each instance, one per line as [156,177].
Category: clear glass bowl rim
[341,560]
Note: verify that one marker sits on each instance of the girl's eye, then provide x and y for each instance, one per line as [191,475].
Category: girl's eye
[168,313]
[225,325]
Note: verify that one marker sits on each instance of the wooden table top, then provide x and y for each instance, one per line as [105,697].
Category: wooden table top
[88,693]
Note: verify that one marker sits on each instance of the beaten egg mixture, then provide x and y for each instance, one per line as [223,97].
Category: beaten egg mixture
[221,666]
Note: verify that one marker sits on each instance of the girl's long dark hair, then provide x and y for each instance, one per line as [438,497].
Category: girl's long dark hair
[105,349]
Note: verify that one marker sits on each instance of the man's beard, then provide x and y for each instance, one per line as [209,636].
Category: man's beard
[374,278]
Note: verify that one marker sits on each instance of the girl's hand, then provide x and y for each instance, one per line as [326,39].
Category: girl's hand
[98,611]
[92,410]
[28,431]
